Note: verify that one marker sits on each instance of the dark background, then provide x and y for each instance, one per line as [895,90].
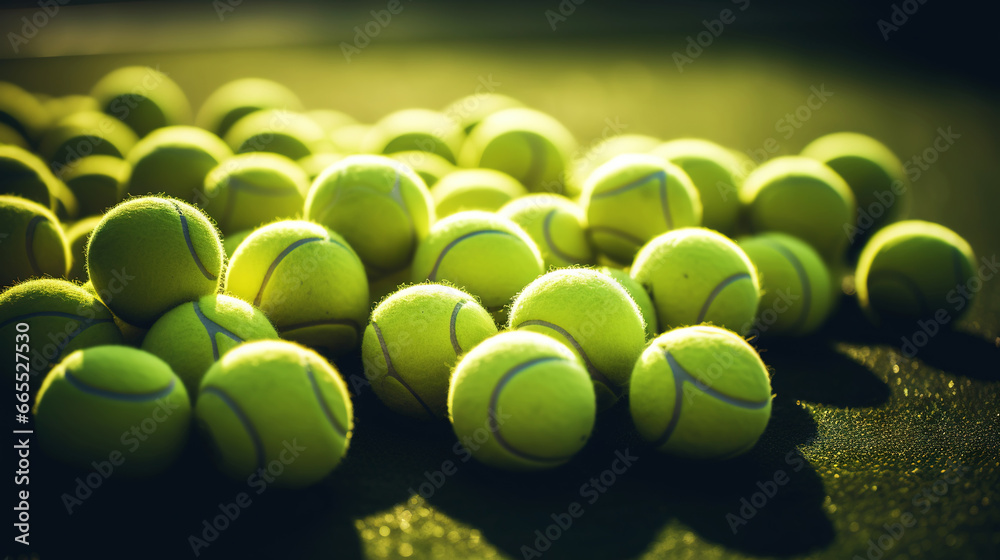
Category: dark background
[865,434]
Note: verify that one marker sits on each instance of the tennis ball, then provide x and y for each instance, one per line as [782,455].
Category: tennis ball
[700,392]
[361,190]
[174,161]
[696,275]
[916,271]
[430,166]
[98,182]
[874,174]
[143,98]
[715,171]
[521,401]
[290,134]
[602,151]
[34,243]
[77,236]
[232,241]
[83,134]
[639,296]
[803,198]
[239,98]
[8,135]
[415,337]
[580,308]
[23,112]
[275,406]
[555,224]
[64,106]
[796,292]
[307,279]
[470,110]
[415,129]
[248,190]
[474,189]
[329,119]
[489,256]
[61,317]
[113,404]
[315,164]
[192,336]
[633,198]
[24,174]
[350,138]
[528,145]
[379,288]
[153,254]
[131,334]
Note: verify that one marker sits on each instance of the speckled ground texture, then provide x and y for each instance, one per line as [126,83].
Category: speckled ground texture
[864,437]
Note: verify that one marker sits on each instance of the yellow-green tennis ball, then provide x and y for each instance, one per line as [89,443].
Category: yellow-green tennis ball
[804,198]
[528,145]
[194,335]
[916,271]
[290,134]
[113,404]
[24,174]
[84,134]
[77,236]
[362,190]
[232,241]
[379,288]
[131,334]
[430,166]
[555,224]
[700,392]
[796,292]
[33,242]
[415,129]
[98,182]
[639,296]
[22,111]
[153,254]
[488,256]
[315,164]
[248,190]
[874,174]
[174,161]
[9,135]
[633,198]
[602,151]
[415,337]
[474,189]
[330,119]
[715,172]
[350,138]
[143,98]
[275,413]
[696,275]
[307,279]
[580,307]
[61,317]
[64,106]
[470,110]
[521,401]
[239,98]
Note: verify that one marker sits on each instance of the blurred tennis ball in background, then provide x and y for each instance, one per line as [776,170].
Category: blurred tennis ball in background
[528,145]
[633,198]
[474,189]
[77,236]
[470,110]
[248,190]
[430,166]
[66,105]
[34,243]
[83,134]
[22,112]
[555,224]
[415,337]
[24,174]
[530,398]
[715,172]
[307,279]
[700,392]
[330,119]
[143,98]
[602,151]
[290,134]
[98,182]
[415,129]
[315,164]
[238,98]
[356,193]
[174,161]
[696,275]
[803,198]
[349,139]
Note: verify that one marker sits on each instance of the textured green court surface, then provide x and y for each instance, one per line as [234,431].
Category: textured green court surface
[867,447]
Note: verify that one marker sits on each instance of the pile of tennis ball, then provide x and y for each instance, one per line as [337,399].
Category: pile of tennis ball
[157,272]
